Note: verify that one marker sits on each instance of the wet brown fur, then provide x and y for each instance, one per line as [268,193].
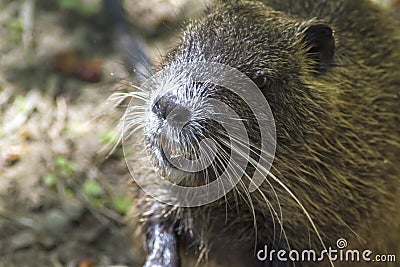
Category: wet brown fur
[338,143]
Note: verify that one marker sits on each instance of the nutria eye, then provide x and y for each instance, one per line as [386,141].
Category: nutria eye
[261,79]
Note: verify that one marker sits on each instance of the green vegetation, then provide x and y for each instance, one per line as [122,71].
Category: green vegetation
[92,188]
[50,180]
[122,204]
[21,103]
[64,165]
[15,29]
[109,137]
[85,8]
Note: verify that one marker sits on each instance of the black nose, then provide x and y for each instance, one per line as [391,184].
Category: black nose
[168,109]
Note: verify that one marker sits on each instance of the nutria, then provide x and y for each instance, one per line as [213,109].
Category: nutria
[330,71]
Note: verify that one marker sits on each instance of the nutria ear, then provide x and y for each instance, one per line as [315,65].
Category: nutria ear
[320,43]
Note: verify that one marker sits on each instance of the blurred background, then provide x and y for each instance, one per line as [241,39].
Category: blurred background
[63,197]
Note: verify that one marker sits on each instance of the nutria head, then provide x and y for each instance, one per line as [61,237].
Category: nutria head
[183,107]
